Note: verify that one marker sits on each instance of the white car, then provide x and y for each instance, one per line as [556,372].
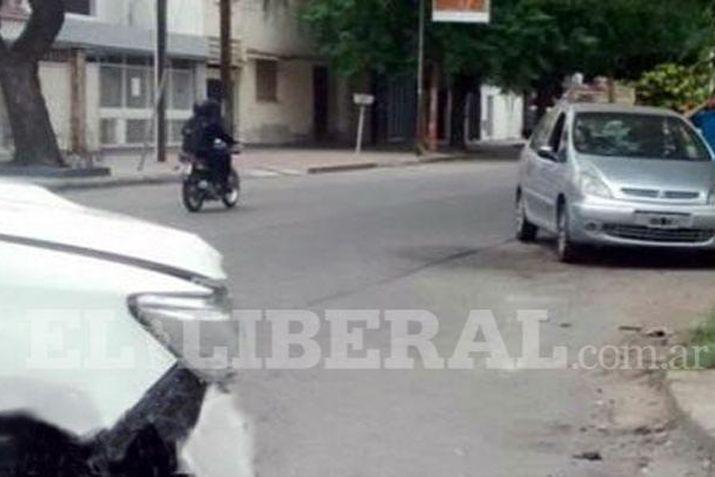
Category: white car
[96,378]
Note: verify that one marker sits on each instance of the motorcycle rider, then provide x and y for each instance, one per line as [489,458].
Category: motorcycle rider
[201,133]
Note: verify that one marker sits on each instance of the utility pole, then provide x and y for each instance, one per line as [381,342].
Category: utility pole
[419,127]
[227,65]
[432,128]
[160,84]
[78,103]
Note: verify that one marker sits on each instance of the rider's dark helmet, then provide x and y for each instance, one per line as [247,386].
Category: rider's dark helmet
[209,109]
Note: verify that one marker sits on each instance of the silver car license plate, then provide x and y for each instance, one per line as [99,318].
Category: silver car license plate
[663,221]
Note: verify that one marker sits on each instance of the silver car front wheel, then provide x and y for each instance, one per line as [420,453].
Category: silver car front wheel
[566,249]
[525,230]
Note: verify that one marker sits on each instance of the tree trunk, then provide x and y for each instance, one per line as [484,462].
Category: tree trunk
[544,100]
[34,138]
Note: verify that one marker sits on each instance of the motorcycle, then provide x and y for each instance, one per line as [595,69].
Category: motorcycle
[199,186]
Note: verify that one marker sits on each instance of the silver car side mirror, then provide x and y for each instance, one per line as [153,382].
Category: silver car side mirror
[546,152]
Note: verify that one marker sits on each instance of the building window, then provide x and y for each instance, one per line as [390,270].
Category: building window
[182,89]
[139,88]
[80,7]
[127,99]
[174,128]
[110,79]
[139,131]
[108,131]
[266,80]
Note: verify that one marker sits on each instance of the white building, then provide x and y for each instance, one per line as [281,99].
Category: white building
[116,40]
[502,114]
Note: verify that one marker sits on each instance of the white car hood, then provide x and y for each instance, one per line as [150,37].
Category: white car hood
[34,214]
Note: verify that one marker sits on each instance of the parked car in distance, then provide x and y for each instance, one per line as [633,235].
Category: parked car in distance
[606,174]
[95,376]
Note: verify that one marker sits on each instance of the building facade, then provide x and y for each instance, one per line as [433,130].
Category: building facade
[284,92]
[112,42]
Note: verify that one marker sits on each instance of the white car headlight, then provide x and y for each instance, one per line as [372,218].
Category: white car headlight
[593,186]
[196,327]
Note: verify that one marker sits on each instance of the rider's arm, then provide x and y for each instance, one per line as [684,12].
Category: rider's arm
[224,136]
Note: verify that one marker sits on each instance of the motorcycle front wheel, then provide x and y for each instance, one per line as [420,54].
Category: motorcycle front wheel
[192,196]
[231,196]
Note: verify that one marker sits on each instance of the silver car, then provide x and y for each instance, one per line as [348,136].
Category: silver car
[595,174]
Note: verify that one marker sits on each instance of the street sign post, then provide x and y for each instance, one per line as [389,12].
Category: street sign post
[363,101]
[419,127]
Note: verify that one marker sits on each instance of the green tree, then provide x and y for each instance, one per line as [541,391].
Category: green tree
[364,35]
[530,44]
[674,86]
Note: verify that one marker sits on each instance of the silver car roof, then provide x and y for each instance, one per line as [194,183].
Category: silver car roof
[620,108]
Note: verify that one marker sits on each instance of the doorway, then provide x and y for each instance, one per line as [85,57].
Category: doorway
[214,89]
[321,85]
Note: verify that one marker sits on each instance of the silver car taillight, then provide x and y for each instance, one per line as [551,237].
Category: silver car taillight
[196,327]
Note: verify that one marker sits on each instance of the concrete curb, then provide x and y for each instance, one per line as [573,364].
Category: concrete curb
[341,168]
[686,409]
[67,184]
[109,183]
[446,158]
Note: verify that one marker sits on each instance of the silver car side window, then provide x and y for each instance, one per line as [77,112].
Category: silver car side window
[543,130]
[557,134]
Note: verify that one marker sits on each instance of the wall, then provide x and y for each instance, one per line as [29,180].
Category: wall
[93,117]
[508,111]
[184,16]
[275,33]
[290,119]
[275,29]
[55,81]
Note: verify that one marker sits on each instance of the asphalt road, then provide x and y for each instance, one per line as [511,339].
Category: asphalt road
[437,238]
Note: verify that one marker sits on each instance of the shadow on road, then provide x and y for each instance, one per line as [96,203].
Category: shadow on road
[541,257]
[641,258]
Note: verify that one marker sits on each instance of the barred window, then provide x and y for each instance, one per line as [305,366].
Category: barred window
[266,80]
[79,7]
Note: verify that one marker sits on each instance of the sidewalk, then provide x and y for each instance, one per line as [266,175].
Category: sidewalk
[261,163]
[691,395]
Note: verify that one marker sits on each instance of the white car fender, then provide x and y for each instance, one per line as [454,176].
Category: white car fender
[72,353]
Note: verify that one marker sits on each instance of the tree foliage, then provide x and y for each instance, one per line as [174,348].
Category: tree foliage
[364,35]
[528,42]
[674,86]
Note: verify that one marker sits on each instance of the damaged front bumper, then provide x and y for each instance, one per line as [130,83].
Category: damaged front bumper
[145,441]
